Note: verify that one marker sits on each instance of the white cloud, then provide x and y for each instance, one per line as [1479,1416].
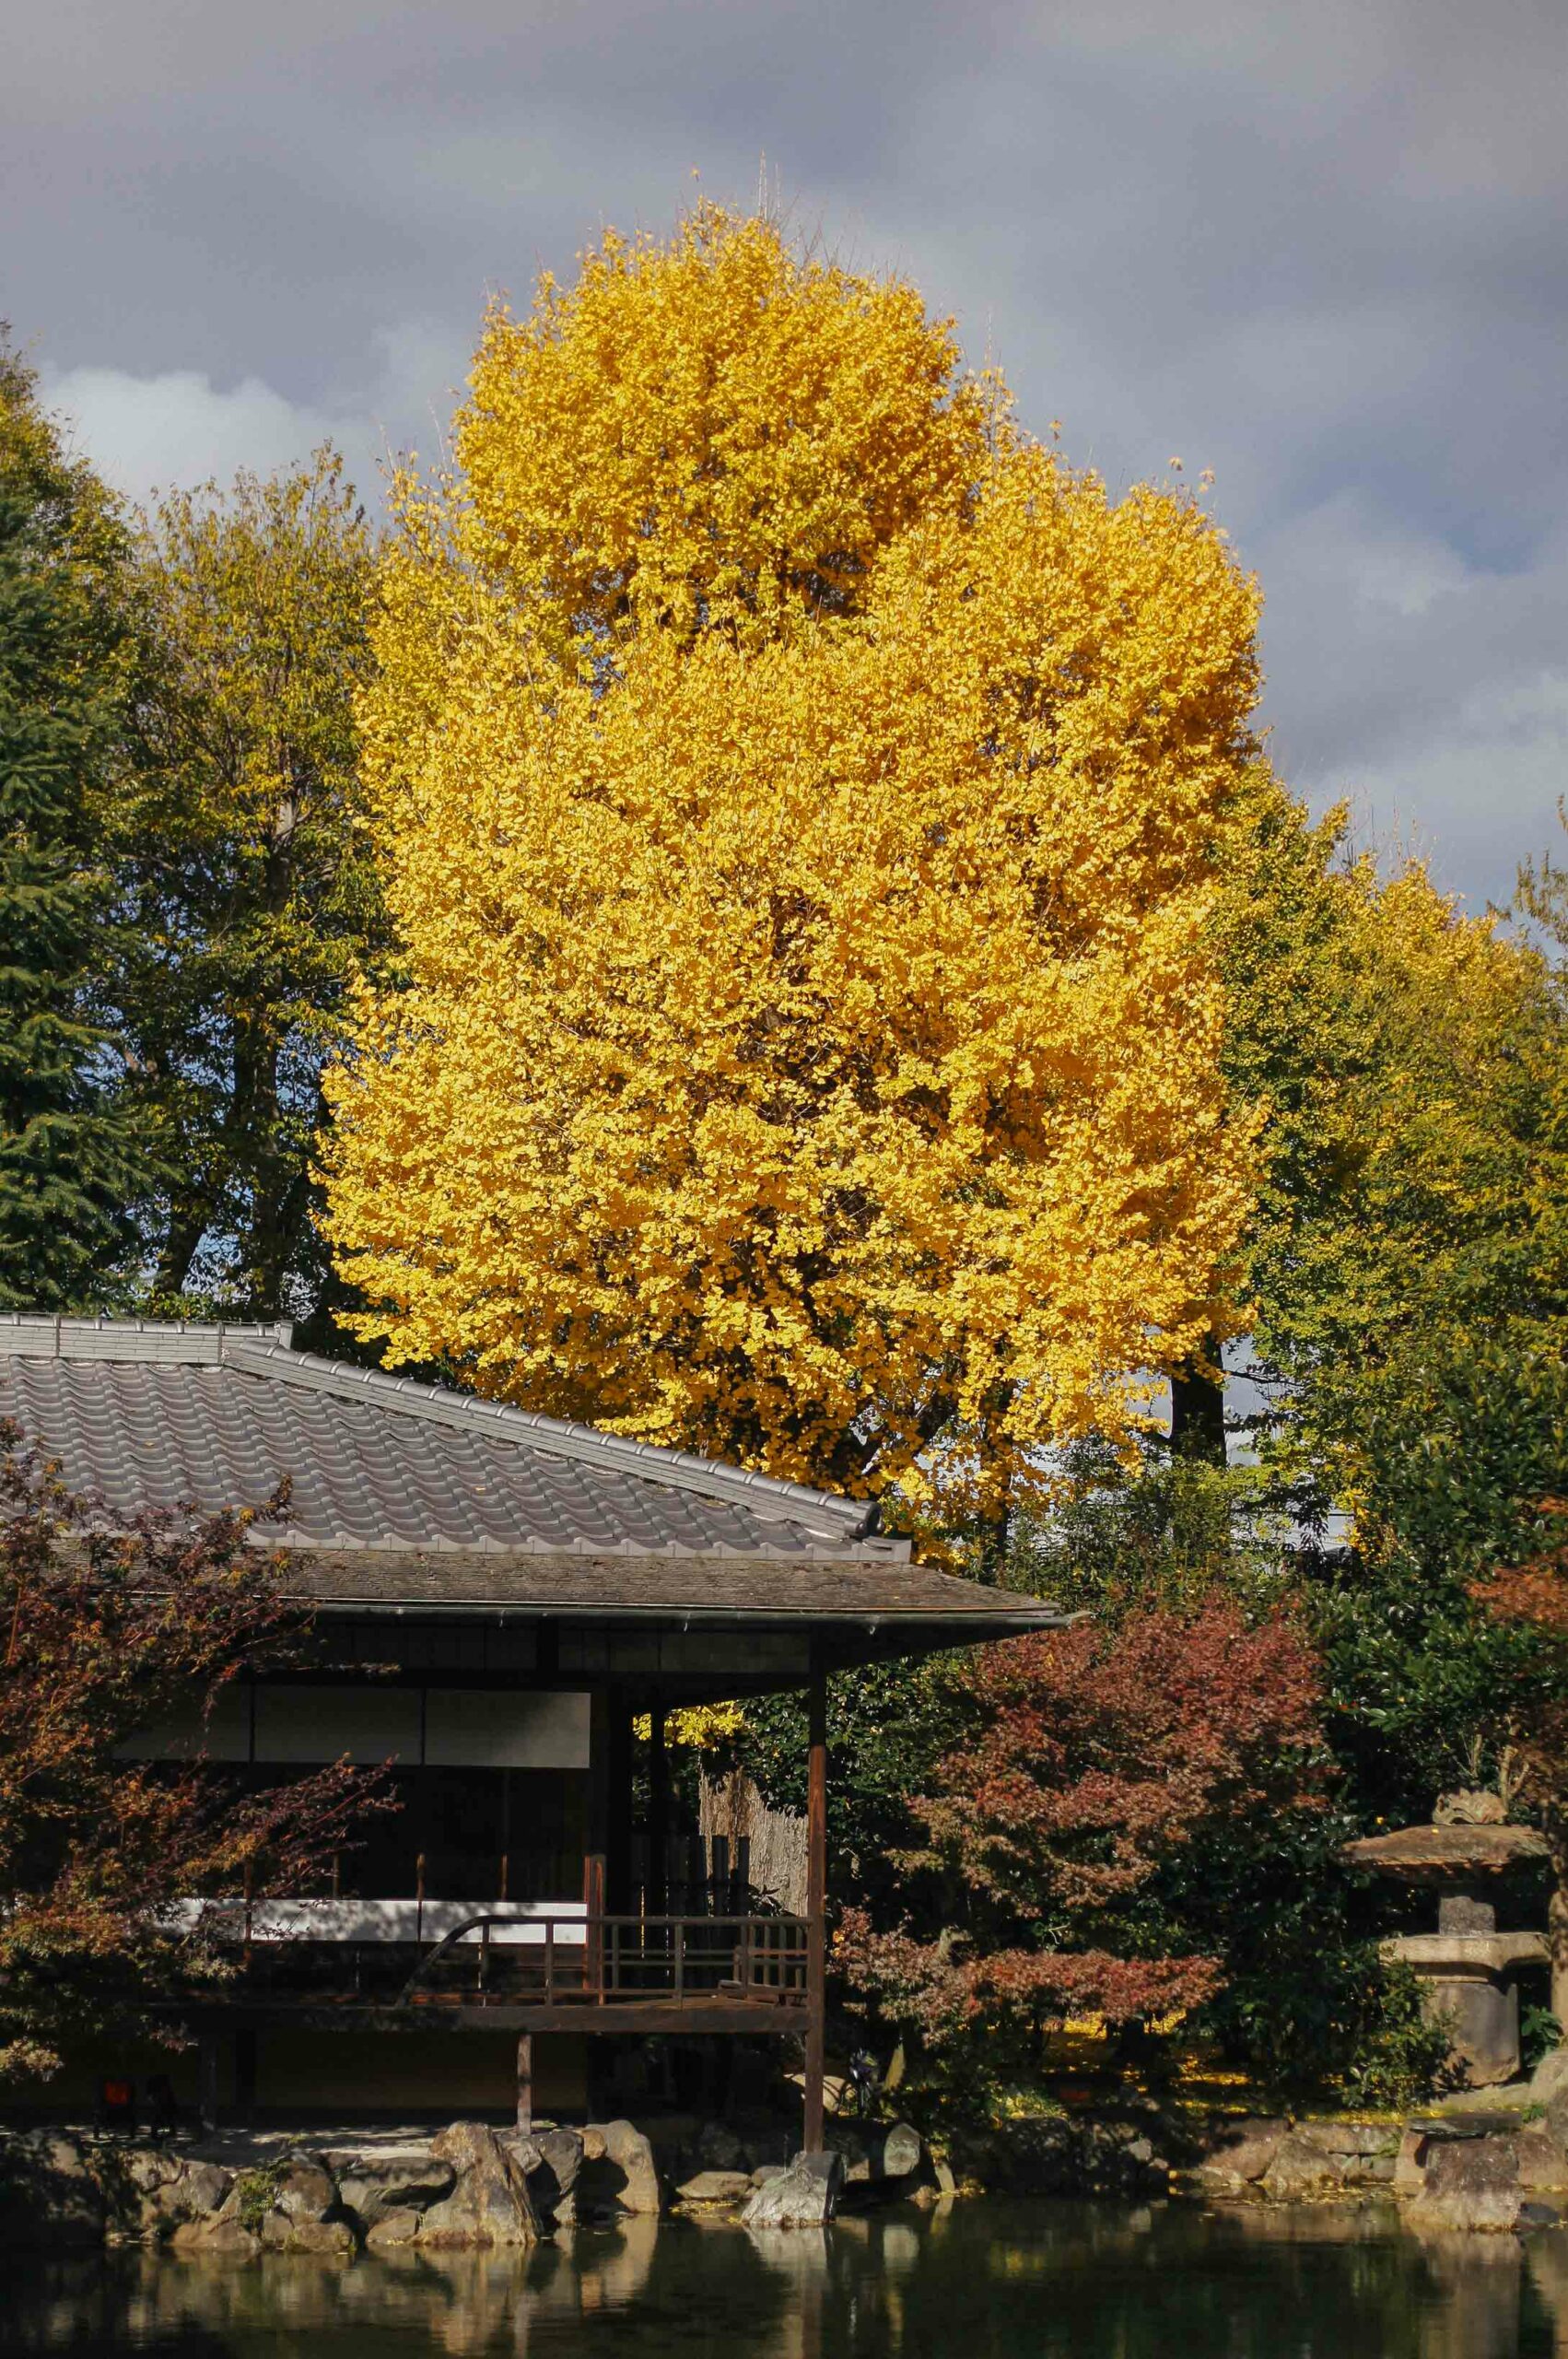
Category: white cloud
[1429,691]
[1321,250]
[178,428]
[149,433]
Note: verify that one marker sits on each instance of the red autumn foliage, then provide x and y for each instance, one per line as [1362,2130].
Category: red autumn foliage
[1535,1593]
[104,1632]
[1098,1758]
[1535,1596]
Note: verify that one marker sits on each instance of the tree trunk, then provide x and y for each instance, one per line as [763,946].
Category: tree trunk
[1557,1934]
[1197,1406]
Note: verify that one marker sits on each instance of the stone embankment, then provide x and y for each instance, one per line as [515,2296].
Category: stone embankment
[1499,2166]
[470,2187]
[1494,2159]
[1476,2170]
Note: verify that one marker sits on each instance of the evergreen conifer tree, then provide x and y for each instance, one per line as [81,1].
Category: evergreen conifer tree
[72,1162]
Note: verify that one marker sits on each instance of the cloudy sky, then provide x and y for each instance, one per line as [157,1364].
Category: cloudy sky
[1322,249]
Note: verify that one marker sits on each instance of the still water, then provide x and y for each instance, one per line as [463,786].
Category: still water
[977,2282]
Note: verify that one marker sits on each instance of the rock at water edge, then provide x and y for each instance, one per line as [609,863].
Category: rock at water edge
[1240,2151]
[1472,2183]
[622,2175]
[805,2196]
[716,2187]
[370,2184]
[490,2203]
[391,2229]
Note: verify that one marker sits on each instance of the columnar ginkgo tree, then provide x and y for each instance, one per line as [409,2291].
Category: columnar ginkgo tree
[801,793]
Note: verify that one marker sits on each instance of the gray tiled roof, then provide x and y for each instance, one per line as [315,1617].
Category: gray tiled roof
[143,1415]
[410,1498]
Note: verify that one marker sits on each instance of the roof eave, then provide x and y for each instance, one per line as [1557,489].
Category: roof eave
[965,1621]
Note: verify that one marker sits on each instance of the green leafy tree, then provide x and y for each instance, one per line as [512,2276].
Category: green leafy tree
[74,1158]
[1408,1065]
[1167,1531]
[247,874]
[1463,1454]
[1406,1272]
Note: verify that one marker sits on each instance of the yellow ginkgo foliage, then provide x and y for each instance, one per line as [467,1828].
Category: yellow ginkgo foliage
[800,795]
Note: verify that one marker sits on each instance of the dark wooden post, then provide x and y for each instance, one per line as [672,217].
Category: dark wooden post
[599,1772]
[525,2081]
[246,2053]
[816,1905]
[593,1908]
[658,1813]
[207,2080]
[618,1831]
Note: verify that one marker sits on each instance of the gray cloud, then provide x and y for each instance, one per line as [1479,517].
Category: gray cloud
[1321,251]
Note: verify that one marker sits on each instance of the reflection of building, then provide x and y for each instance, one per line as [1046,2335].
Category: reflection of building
[496,1597]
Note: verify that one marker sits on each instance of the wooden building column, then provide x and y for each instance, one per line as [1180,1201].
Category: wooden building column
[525,2083]
[618,1786]
[658,1811]
[598,1802]
[208,2072]
[816,1904]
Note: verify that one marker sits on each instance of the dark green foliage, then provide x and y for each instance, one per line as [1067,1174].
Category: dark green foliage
[246,875]
[1310,2006]
[1465,1445]
[73,1161]
[1539,2034]
[1168,1532]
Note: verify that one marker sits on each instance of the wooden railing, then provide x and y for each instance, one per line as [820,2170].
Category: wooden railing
[605,1961]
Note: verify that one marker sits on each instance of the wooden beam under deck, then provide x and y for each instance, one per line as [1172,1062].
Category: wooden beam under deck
[816,1904]
[734,2018]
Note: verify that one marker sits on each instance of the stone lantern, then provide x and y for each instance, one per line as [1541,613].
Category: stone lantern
[1469,1969]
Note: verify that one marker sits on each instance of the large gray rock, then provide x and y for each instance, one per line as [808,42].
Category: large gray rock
[306,2214]
[224,2236]
[1300,2169]
[1470,2183]
[1410,2165]
[551,2161]
[805,2196]
[176,2191]
[331,2237]
[875,2152]
[49,2192]
[618,2172]
[305,2192]
[1318,2158]
[1239,2152]
[1543,2164]
[706,2189]
[489,2204]
[373,2182]
[561,2153]
[1347,2141]
[393,2229]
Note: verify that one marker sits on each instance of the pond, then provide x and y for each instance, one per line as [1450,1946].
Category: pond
[975,2281]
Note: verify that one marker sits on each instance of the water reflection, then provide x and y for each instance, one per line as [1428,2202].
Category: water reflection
[974,2281]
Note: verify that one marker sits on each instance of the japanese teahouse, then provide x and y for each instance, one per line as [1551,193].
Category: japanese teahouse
[496,1598]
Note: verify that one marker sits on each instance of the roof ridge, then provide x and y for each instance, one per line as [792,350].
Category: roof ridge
[682,1470]
[196,1342]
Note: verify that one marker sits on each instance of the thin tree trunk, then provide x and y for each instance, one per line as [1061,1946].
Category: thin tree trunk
[1557,1933]
[1197,1406]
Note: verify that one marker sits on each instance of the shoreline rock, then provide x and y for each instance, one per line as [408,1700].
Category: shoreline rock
[471,2186]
